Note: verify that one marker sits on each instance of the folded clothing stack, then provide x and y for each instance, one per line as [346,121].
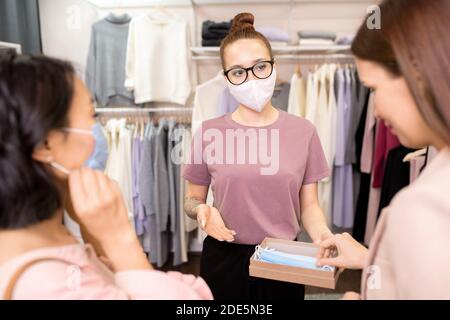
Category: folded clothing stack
[276,36]
[214,32]
[311,37]
[275,256]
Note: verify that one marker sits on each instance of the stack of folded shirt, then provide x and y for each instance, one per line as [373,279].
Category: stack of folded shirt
[345,40]
[316,37]
[276,36]
[214,32]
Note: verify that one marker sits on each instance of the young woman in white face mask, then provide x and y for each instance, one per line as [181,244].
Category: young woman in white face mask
[264,187]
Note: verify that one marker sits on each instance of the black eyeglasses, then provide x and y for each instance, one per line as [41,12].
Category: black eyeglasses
[260,70]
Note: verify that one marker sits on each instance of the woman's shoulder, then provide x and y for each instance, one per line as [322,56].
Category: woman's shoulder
[298,125]
[52,272]
[65,253]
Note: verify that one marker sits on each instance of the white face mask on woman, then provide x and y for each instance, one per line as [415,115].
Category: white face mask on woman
[256,93]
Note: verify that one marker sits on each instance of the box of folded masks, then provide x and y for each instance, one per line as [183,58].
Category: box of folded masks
[291,261]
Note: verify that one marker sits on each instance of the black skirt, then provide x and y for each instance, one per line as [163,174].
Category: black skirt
[224,267]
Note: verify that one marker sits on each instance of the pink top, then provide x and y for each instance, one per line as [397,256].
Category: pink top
[409,256]
[256,185]
[79,274]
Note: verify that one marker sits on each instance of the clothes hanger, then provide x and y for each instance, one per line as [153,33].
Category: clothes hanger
[119,10]
[160,14]
[413,155]
[298,70]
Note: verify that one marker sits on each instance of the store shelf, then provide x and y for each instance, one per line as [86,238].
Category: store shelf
[213,51]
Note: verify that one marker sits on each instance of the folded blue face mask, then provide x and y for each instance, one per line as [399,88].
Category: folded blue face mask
[295,260]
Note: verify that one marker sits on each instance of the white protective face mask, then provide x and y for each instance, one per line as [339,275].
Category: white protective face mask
[256,93]
[60,167]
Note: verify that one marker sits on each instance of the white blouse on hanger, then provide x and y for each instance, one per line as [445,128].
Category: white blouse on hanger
[157,66]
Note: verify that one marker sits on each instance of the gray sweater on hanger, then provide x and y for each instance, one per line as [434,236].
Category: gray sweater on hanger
[105,69]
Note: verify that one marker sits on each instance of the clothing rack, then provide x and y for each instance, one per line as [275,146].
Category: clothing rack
[298,57]
[142,110]
[334,52]
[122,4]
[10,45]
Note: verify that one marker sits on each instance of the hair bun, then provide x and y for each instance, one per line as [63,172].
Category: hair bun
[242,21]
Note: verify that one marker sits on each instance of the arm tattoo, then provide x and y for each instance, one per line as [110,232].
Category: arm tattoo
[190,205]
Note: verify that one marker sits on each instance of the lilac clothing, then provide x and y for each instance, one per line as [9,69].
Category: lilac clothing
[343,173]
[227,103]
[274,34]
[56,279]
[138,207]
[255,203]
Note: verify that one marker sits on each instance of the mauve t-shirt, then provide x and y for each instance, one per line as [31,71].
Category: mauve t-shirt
[256,173]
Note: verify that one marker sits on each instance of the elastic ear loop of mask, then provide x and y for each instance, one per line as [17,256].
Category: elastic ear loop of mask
[59,167]
[80,131]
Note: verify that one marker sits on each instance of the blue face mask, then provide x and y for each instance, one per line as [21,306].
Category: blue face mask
[100,154]
[98,159]
[295,260]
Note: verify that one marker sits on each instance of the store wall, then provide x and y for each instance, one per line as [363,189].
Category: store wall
[65,24]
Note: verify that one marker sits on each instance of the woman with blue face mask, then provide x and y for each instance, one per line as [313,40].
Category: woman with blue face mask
[46,130]
[262,165]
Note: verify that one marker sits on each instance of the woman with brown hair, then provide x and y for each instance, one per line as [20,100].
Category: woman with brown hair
[407,64]
[253,199]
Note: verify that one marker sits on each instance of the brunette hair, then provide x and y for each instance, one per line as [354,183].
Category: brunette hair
[242,28]
[35,96]
[413,42]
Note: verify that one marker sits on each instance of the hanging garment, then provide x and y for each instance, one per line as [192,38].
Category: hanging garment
[207,101]
[139,210]
[189,224]
[162,190]
[118,166]
[368,145]
[174,136]
[157,60]
[359,225]
[359,99]
[146,188]
[280,98]
[397,175]
[342,175]
[19,23]
[227,103]
[297,96]
[325,122]
[375,192]
[312,94]
[384,143]
[105,68]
